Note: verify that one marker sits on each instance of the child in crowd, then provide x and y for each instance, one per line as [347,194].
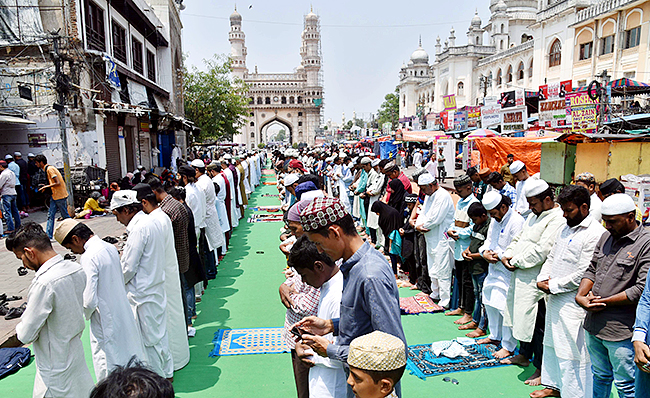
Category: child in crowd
[479,268]
[377,361]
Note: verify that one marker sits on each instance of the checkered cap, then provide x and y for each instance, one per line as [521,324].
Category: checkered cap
[322,212]
[586,177]
[377,351]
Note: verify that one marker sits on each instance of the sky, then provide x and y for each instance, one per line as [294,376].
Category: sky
[364,43]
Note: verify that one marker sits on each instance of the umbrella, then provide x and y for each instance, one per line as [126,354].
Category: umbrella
[624,87]
[481,133]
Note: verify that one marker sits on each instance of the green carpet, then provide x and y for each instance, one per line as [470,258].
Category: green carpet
[245,294]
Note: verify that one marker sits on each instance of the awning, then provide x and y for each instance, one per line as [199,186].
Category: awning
[624,87]
[15,120]
[422,136]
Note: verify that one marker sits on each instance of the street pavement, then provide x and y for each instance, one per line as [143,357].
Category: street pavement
[14,285]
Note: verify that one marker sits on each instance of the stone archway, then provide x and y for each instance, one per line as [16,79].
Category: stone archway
[276,121]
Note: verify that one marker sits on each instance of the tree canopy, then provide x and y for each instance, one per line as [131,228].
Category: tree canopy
[389,109]
[214,101]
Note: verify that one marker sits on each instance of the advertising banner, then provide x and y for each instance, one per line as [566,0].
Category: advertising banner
[490,115]
[449,101]
[514,119]
[473,116]
[583,112]
[460,120]
[508,99]
[555,90]
[553,113]
[519,97]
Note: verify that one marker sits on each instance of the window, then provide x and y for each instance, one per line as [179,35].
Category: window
[259,100]
[509,75]
[299,113]
[252,124]
[267,100]
[502,28]
[632,37]
[137,56]
[292,100]
[607,44]
[499,78]
[284,100]
[300,100]
[95,27]
[585,50]
[530,69]
[501,45]
[461,89]
[299,123]
[151,66]
[520,71]
[555,55]
[252,134]
[251,101]
[119,42]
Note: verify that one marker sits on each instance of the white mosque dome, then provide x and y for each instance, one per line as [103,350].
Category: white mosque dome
[476,21]
[501,6]
[311,16]
[235,16]
[420,56]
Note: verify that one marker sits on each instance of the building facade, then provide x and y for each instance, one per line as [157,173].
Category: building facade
[291,100]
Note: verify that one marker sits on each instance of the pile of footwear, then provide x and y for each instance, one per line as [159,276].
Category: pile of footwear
[11,312]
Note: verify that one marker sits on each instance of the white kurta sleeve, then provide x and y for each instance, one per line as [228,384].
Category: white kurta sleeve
[437,212]
[132,254]
[90,299]
[39,307]
[571,282]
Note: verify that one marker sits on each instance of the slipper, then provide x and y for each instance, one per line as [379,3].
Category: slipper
[22,271]
[13,298]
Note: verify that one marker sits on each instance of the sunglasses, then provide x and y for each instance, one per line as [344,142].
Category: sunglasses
[447,380]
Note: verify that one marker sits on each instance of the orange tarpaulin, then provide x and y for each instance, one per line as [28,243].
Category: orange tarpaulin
[494,151]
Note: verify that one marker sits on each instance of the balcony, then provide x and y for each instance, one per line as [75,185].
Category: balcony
[511,51]
[562,6]
[466,50]
[600,8]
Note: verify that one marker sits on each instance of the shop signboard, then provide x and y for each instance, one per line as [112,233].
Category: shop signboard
[460,120]
[473,116]
[519,97]
[553,113]
[490,115]
[514,119]
[449,101]
[583,112]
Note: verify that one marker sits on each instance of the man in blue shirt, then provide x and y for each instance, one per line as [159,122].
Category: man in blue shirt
[497,182]
[370,299]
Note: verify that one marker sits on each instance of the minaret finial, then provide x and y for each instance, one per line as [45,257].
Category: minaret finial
[311,7]
[235,6]
[420,41]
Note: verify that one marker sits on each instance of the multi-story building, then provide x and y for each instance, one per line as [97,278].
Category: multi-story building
[291,100]
[121,78]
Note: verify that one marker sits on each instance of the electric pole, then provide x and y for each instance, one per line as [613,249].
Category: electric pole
[61,89]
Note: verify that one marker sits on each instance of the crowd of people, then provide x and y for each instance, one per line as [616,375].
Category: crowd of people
[141,302]
[558,273]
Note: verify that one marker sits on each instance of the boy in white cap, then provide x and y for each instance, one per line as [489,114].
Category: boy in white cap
[377,362]
[526,309]
[505,225]
[519,171]
[436,216]
[610,291]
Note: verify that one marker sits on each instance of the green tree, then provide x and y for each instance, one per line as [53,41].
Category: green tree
[389,109]
[214,101]
[281,136]
[348,125]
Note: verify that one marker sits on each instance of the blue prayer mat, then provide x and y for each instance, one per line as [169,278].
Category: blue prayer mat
[248,341]
[422,362]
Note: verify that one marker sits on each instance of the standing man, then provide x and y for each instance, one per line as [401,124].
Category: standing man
[220,184]
[518,170]
[417,159]
[505,225]
[441,165]
[526,308]
[479,188]
[609,291]
[433,220]
[23,200]
[373,191]
[505,170]
[8,193]
[231,204]
[370,300]
[496,180]
[176,154]
[588,181]
[566,368]
[143,269]
[53,319]
[104,299]
[59,193]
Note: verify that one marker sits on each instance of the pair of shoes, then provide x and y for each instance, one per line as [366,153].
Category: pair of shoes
[22,271]
[110,239]
[191,332]
[4,309]
[70,257]
[16,312]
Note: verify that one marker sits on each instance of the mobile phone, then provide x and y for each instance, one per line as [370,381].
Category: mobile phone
[296,331]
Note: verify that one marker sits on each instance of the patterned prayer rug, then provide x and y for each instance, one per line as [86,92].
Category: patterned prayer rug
[265,218]
[418,305]
[270,195]
[266,208]
[248,341]
[422,362]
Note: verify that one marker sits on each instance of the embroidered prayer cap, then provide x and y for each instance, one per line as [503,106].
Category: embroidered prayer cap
[586,177]
[491,200]
[322,212]
[213,165]
[377,351]
[484,172]
[294,212]
[123,197]
[618,203]
[197,163]
[462,180]
[411,198]
[535,187]
[290,179]
[611,186]
[390,166]
[516,166]
[63,229]
[366,160]
[186,170]
[375,162]
[426,179]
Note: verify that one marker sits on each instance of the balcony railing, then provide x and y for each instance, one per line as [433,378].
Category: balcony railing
[601,7]
[511,51]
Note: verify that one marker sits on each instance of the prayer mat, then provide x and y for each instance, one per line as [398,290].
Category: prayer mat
[265,219]
[270,195]
[422,363]
[270,183]
[266,208]
[418,305]
[248,341]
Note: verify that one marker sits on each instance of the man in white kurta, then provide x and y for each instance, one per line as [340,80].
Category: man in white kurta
[213,231]
[176,153]
[104,299]
[524,257]
[53,320]
[519,171]
[233,202]
[566,368]
[436,215]
[143,268]
[505,224]
[164,232]
[219,180]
